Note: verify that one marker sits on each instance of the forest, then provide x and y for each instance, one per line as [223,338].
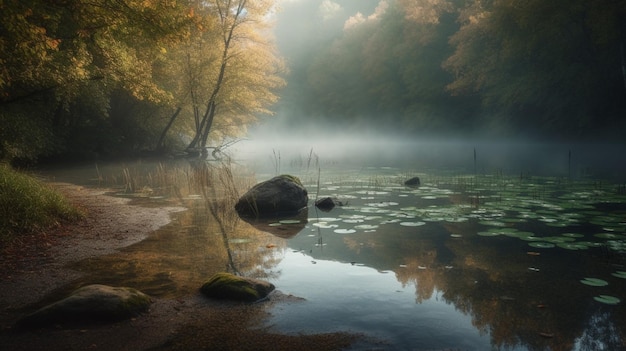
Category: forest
[91,79]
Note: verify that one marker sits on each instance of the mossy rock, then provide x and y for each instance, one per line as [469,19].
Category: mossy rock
[232,287]
[92,303]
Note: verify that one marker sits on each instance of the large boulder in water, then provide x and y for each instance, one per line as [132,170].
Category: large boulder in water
[229,286]
[279,196]
[92,303]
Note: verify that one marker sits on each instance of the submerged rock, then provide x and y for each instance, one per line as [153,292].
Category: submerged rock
[281,195]
[415,181]
[92,303]
[232,287]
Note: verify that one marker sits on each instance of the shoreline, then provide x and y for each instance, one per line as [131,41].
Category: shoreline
[33,269]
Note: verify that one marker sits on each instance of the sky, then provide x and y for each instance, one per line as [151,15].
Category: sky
[303,24]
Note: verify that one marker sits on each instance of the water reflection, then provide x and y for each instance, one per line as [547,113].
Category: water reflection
[446,265]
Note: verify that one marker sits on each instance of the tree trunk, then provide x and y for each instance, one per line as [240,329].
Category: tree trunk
[202,134]
[160,144]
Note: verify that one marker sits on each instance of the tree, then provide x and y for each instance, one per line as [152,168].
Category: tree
[552,66]
[58,56]
[230,68]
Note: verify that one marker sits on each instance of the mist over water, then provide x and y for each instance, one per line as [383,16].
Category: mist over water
[475,154]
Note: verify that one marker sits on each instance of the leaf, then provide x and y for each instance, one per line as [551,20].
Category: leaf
[619,274]
[607,299]
[541,245]
[345,231]
[594,282]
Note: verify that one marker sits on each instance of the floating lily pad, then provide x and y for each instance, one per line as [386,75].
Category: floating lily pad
[573,235]
[366,227]
[541,245]
[607,299]
[619,274]
[354,220]
[488,233]
[573,246]
[412,224]
[389,221]
[594,282]
[345,231]
[290,221]
[325,225]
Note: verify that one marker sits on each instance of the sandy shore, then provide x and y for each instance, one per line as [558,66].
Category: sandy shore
[35,267]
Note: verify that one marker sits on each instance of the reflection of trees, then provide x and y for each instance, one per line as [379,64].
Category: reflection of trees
[206,239]
[489,279]
[601,333]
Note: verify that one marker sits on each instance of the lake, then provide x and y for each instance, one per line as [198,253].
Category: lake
[488,253]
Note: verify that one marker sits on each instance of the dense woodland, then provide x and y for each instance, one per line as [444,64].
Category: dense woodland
[105,78]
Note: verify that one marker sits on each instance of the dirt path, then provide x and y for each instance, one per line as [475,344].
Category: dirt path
[37,266]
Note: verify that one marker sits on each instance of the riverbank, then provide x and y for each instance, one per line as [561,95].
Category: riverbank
[37,267]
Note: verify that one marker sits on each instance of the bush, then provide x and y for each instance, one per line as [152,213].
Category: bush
[28,205]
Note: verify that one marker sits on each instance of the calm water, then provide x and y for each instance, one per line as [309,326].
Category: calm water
[468,261]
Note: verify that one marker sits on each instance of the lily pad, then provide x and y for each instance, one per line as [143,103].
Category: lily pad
[619,274]
[573,235]
[573,246]
[290,221]
[488,233]
[541,245]
[594,282]
[345,231]
[607,299]
[412,224]
[366,226]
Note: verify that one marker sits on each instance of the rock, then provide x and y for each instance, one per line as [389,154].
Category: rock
[92,303]
[232,287]
[279,196]
[415,181]
[327,203]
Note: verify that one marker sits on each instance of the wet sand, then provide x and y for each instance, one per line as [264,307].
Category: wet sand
[34,268]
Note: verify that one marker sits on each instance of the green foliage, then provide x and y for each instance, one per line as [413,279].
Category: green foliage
[541,67]
[27,205]
[106,75]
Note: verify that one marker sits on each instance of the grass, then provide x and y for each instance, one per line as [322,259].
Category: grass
[27,205]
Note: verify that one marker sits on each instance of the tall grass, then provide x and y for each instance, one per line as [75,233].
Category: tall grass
[28,205]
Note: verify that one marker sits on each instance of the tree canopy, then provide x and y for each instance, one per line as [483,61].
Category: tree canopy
[553,68]
[102,77]
[89,78]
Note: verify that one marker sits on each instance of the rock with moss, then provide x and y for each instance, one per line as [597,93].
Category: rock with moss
[92,303]
[231,287]
[279,196]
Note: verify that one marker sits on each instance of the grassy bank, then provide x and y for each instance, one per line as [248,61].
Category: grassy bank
[27,205]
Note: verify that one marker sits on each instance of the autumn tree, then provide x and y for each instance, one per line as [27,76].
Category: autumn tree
[60,57]
[227,70]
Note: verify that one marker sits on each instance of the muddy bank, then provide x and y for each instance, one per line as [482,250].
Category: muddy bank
[34,268]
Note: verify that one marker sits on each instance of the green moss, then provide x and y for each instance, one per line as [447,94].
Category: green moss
[229,286]
[28,205]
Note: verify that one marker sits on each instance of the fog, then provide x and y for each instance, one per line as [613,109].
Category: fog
[356,96]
